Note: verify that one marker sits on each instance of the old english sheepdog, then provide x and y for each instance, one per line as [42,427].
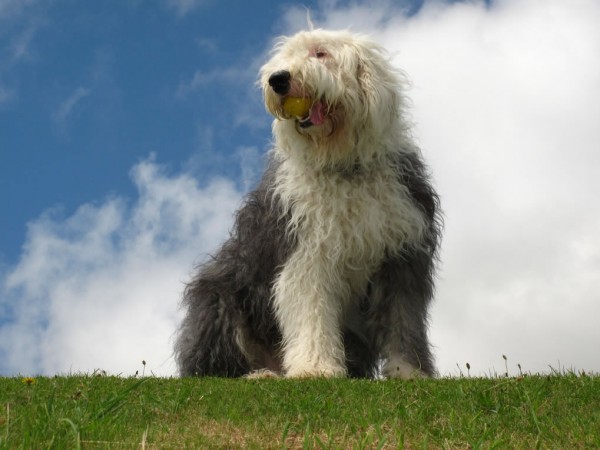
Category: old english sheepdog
[329,269]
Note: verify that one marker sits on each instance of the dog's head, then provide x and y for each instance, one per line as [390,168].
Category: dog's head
[341,83]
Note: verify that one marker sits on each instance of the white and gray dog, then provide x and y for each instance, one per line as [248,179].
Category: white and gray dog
[329,270]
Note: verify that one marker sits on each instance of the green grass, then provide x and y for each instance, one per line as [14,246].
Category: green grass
[555,411]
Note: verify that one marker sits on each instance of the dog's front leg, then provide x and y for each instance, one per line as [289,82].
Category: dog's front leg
[399,296]
[307,306]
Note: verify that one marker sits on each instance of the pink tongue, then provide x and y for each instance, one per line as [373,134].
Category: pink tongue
[317,113]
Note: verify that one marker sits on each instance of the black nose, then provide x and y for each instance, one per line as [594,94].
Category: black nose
[280,81]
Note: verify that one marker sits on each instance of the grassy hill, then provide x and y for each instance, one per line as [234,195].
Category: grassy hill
[555,411]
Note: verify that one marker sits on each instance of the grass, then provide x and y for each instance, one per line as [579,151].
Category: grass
[533,411]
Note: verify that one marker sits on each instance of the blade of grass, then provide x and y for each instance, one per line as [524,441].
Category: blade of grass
[75,432]
[118,401]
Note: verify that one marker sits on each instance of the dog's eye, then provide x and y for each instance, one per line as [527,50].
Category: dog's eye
[321,54]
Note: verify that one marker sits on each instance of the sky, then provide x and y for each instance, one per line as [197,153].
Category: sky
[130,131]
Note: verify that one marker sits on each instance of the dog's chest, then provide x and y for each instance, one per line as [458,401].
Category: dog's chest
[350,220]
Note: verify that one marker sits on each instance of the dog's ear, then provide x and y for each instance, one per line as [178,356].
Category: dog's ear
[378,85]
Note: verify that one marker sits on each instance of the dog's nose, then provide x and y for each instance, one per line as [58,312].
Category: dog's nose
[280,81]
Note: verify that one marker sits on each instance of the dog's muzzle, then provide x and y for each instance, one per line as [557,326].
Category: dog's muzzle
[280,82]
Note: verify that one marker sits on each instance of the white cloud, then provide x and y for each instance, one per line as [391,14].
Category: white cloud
[10,8]
[202,79]
[207,44]
[19,23]
[5,95]
[19,46]
[506,105]
[251,163]
[66,107]
[101,288]
[238,90]
[183,7]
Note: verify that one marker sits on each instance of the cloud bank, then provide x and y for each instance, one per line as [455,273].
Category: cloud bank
[506,106]
[100,289]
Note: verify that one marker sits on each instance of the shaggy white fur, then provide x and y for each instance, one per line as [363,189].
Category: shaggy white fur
[344,224]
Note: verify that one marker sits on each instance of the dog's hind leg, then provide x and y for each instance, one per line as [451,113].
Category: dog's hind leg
[207,340]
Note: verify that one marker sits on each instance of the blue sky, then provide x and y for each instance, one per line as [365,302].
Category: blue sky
[90,88]
[129,132]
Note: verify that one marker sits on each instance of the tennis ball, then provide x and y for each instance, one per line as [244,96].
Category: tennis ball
[296,106]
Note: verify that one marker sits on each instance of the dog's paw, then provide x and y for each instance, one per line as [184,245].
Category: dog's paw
[398,368]
[261,373]
[316,372]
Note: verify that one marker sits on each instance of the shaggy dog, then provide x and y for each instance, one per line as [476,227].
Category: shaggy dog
[329,269]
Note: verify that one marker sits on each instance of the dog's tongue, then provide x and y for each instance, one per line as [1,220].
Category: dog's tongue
[317,113]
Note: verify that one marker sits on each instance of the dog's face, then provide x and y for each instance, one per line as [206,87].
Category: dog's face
[345,83]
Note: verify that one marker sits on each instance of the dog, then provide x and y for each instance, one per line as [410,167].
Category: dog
[330,267]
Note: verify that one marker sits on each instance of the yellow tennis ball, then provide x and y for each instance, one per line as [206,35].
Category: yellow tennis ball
[296,106]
